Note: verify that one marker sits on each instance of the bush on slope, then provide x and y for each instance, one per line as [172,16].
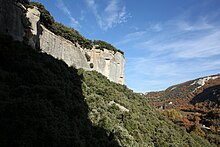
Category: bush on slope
[43,102]
[141,125]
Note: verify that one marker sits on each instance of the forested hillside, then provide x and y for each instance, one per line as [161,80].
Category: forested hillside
[43,102]
[194,105]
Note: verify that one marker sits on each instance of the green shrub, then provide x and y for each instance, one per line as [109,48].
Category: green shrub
[104,45]
[91,65]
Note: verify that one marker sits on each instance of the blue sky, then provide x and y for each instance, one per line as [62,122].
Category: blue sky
[166,42]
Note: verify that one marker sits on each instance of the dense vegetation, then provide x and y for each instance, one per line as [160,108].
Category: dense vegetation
[69,33]
[140,125]
[43,102]
[104,45]
[196,109]
[25,2]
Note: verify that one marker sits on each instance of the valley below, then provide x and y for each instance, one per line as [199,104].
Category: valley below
[194,105]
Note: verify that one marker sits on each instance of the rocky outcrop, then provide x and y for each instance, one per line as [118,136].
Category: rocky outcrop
[104,61]
[62,48]
[33,32]
[108,63]
[23,25]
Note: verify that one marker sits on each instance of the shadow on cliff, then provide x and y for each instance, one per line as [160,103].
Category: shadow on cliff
[41,101]
[209,94]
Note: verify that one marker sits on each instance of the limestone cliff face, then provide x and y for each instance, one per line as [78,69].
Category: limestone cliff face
[62,48]
[108,63]
[23,25]
[33,32]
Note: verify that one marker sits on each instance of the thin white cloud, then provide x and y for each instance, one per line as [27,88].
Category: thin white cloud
[131,37]
[73,22]
[205,45]
[180,51]
[183,39]
[157,73]
[158,67]
[110,16]
[202,24]
[156,27]
[82,15]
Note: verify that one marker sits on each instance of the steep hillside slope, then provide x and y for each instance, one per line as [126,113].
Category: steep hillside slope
[196,104]
[43,102]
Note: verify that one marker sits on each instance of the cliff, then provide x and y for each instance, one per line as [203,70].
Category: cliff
[23,24]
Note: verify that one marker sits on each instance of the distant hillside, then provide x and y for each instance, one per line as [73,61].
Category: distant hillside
[43,102]
[195,101]
[205,89]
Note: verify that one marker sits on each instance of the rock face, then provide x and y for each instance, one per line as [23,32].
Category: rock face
[63,49]
[106,62]
[23,25]
[33,32]
[12,23]
[109,64]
